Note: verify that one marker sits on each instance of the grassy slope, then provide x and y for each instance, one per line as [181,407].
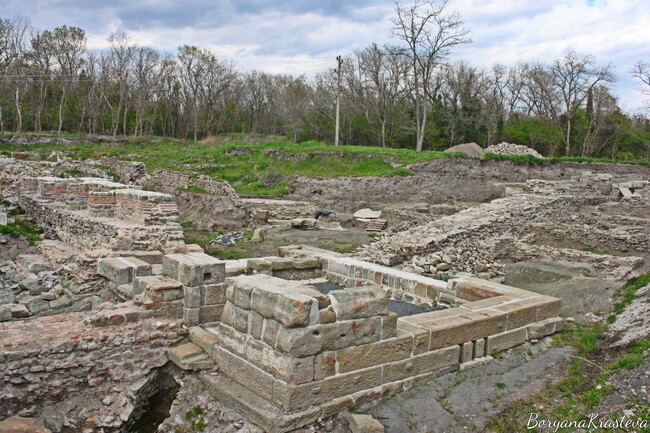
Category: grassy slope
[261,168]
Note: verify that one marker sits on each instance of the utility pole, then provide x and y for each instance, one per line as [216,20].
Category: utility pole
[339,61]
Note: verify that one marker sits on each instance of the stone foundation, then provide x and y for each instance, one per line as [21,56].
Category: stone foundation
[310,355]
[92,213]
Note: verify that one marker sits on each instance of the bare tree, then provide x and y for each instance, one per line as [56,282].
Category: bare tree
[429,35]
[574,76]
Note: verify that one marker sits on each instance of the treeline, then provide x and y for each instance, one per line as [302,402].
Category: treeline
[399,96]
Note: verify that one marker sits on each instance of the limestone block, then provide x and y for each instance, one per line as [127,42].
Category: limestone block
[389,326]
[306,264]
[364,424]
[156,284]
[210,313]
[241,319]
[3,219]
[270,331]
[228,314]
[369,355]
[420,335]
[292,397]
[204,339]
[280,263]
[194,269]
[467,327]
[244,373]
[324,365]
[327,315]
[506,340]
[546,327]
[421,364]
[231,339]
[359,302]
[257,325]
[281,366]
[19,311]
[479,348]
[213,294]
[289,308]
[332,336]
[191,297]
[466,351]
[121,270]
[260,265]
[526,311]
[5,313]
[191,316]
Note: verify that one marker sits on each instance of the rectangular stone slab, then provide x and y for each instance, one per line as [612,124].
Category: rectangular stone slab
[194,269]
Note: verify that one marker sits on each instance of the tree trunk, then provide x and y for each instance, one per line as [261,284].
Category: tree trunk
[568,136]
[61,102]
[383,132]
[19,124]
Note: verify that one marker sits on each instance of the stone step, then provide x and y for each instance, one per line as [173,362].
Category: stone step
[376,225]
[257,410]
[190,357]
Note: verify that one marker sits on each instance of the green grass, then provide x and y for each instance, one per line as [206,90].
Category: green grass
[22,228]
[584,386]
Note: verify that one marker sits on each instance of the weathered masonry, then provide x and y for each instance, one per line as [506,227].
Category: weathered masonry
[288,354]
[96,213]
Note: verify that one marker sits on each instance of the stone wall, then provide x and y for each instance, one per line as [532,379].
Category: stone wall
[219,206]
[312,355]
[94,213]
[50,359]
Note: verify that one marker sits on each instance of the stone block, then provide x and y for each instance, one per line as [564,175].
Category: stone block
[256,325]
[306,264]
[241,319]
[360,423]
[204,339]
[244,373]
[117,270]
[19,311]
[332,336]
[463,328]
[359,302]
[546,327]
[420,335]
[228,314]
[191,316]
[156,284]
[292,397]
[260,265]
[479,348]
[3,219]
[231,339]
[421,364]
[471,291]
[213,294]
[270,331]
[369,355]
[324,365]
[289,308]
[280,263]
[389,326]
[467,351]
[281,366]
[191,297]
[526,311]
[506,340]
[210,313]
[194,269]
[327,315]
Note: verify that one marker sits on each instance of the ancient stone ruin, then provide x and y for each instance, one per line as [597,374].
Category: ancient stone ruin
[112,302]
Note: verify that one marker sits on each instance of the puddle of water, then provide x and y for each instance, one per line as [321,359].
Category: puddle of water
[402,308]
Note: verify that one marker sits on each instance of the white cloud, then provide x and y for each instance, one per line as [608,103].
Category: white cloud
[301,37]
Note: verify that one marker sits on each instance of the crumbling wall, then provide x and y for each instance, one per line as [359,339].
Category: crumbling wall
[217,206]
[49,359]
[94,213]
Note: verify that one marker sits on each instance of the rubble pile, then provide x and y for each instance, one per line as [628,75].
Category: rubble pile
[512,149]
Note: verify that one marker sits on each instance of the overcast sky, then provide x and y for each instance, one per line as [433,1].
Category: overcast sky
[294,36]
